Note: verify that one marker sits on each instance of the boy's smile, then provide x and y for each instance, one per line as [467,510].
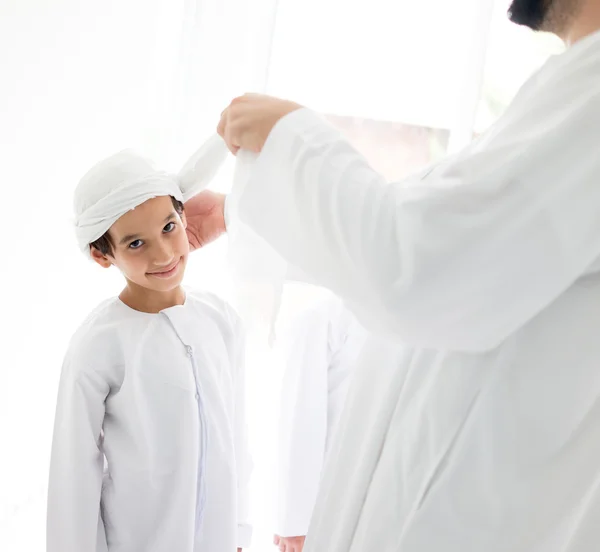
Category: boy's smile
[168,271]
[150,247]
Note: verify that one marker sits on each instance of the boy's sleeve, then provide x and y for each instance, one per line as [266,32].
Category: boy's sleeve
[77,462]
[242,451]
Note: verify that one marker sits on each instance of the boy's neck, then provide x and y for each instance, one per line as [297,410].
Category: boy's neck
[150,301]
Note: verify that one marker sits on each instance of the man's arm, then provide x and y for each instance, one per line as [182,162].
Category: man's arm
[459,260]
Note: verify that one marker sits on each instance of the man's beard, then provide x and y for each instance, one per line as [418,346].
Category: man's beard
[552,16]
[530,13]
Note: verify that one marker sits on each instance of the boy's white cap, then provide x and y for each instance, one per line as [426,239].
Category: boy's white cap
[125,180]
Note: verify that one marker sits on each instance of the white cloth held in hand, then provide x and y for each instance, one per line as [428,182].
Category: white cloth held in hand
[258,271]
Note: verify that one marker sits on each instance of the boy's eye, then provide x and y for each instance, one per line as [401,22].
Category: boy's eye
[169,227]
[136,244]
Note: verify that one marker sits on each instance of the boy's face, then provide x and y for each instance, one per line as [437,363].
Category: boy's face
[150,245]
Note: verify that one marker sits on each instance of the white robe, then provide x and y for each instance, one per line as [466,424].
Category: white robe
[317,352]
[481,432]
[159,399]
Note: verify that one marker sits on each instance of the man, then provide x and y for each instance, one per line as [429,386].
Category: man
[473,422]
[317,351]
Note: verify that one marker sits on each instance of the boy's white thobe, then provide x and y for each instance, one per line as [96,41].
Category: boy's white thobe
[317,352]
[158,399]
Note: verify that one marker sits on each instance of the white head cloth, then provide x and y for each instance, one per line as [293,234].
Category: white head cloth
[125,180]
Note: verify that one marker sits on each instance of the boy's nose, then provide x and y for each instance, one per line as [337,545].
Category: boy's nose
[163,255]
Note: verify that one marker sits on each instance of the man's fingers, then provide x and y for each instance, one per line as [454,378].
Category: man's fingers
[276,539]
[230,138]
[225,131]
[222,123]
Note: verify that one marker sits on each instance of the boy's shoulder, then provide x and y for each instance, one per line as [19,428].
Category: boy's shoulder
[211,303]
[223,317]
[101,314]
[98,334]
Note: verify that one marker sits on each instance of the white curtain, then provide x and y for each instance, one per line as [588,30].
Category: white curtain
[82,79]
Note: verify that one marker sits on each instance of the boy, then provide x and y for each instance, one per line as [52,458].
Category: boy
[149,451]
[317,352]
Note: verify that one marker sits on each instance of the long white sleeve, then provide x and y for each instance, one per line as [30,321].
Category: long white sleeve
[302,352]
[466,256]
[77,463]
[242,451]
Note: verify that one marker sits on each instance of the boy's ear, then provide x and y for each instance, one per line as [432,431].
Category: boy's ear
[99,258]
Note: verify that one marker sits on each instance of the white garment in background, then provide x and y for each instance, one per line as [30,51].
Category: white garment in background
[482,432]
[161,397]
[318,352]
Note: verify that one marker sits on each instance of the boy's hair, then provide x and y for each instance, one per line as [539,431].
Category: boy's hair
[105,246]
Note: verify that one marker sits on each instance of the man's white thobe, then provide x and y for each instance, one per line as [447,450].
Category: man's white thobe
[473,421]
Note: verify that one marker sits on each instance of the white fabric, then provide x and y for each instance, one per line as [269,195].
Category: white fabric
[126,180]
[482,431]
[161,397]
[259,273]
[318,352]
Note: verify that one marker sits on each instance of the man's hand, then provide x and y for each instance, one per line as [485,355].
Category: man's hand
[289,544]
[249,119]
[205,218]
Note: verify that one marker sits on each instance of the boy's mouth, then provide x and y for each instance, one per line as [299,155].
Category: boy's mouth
[166,272]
